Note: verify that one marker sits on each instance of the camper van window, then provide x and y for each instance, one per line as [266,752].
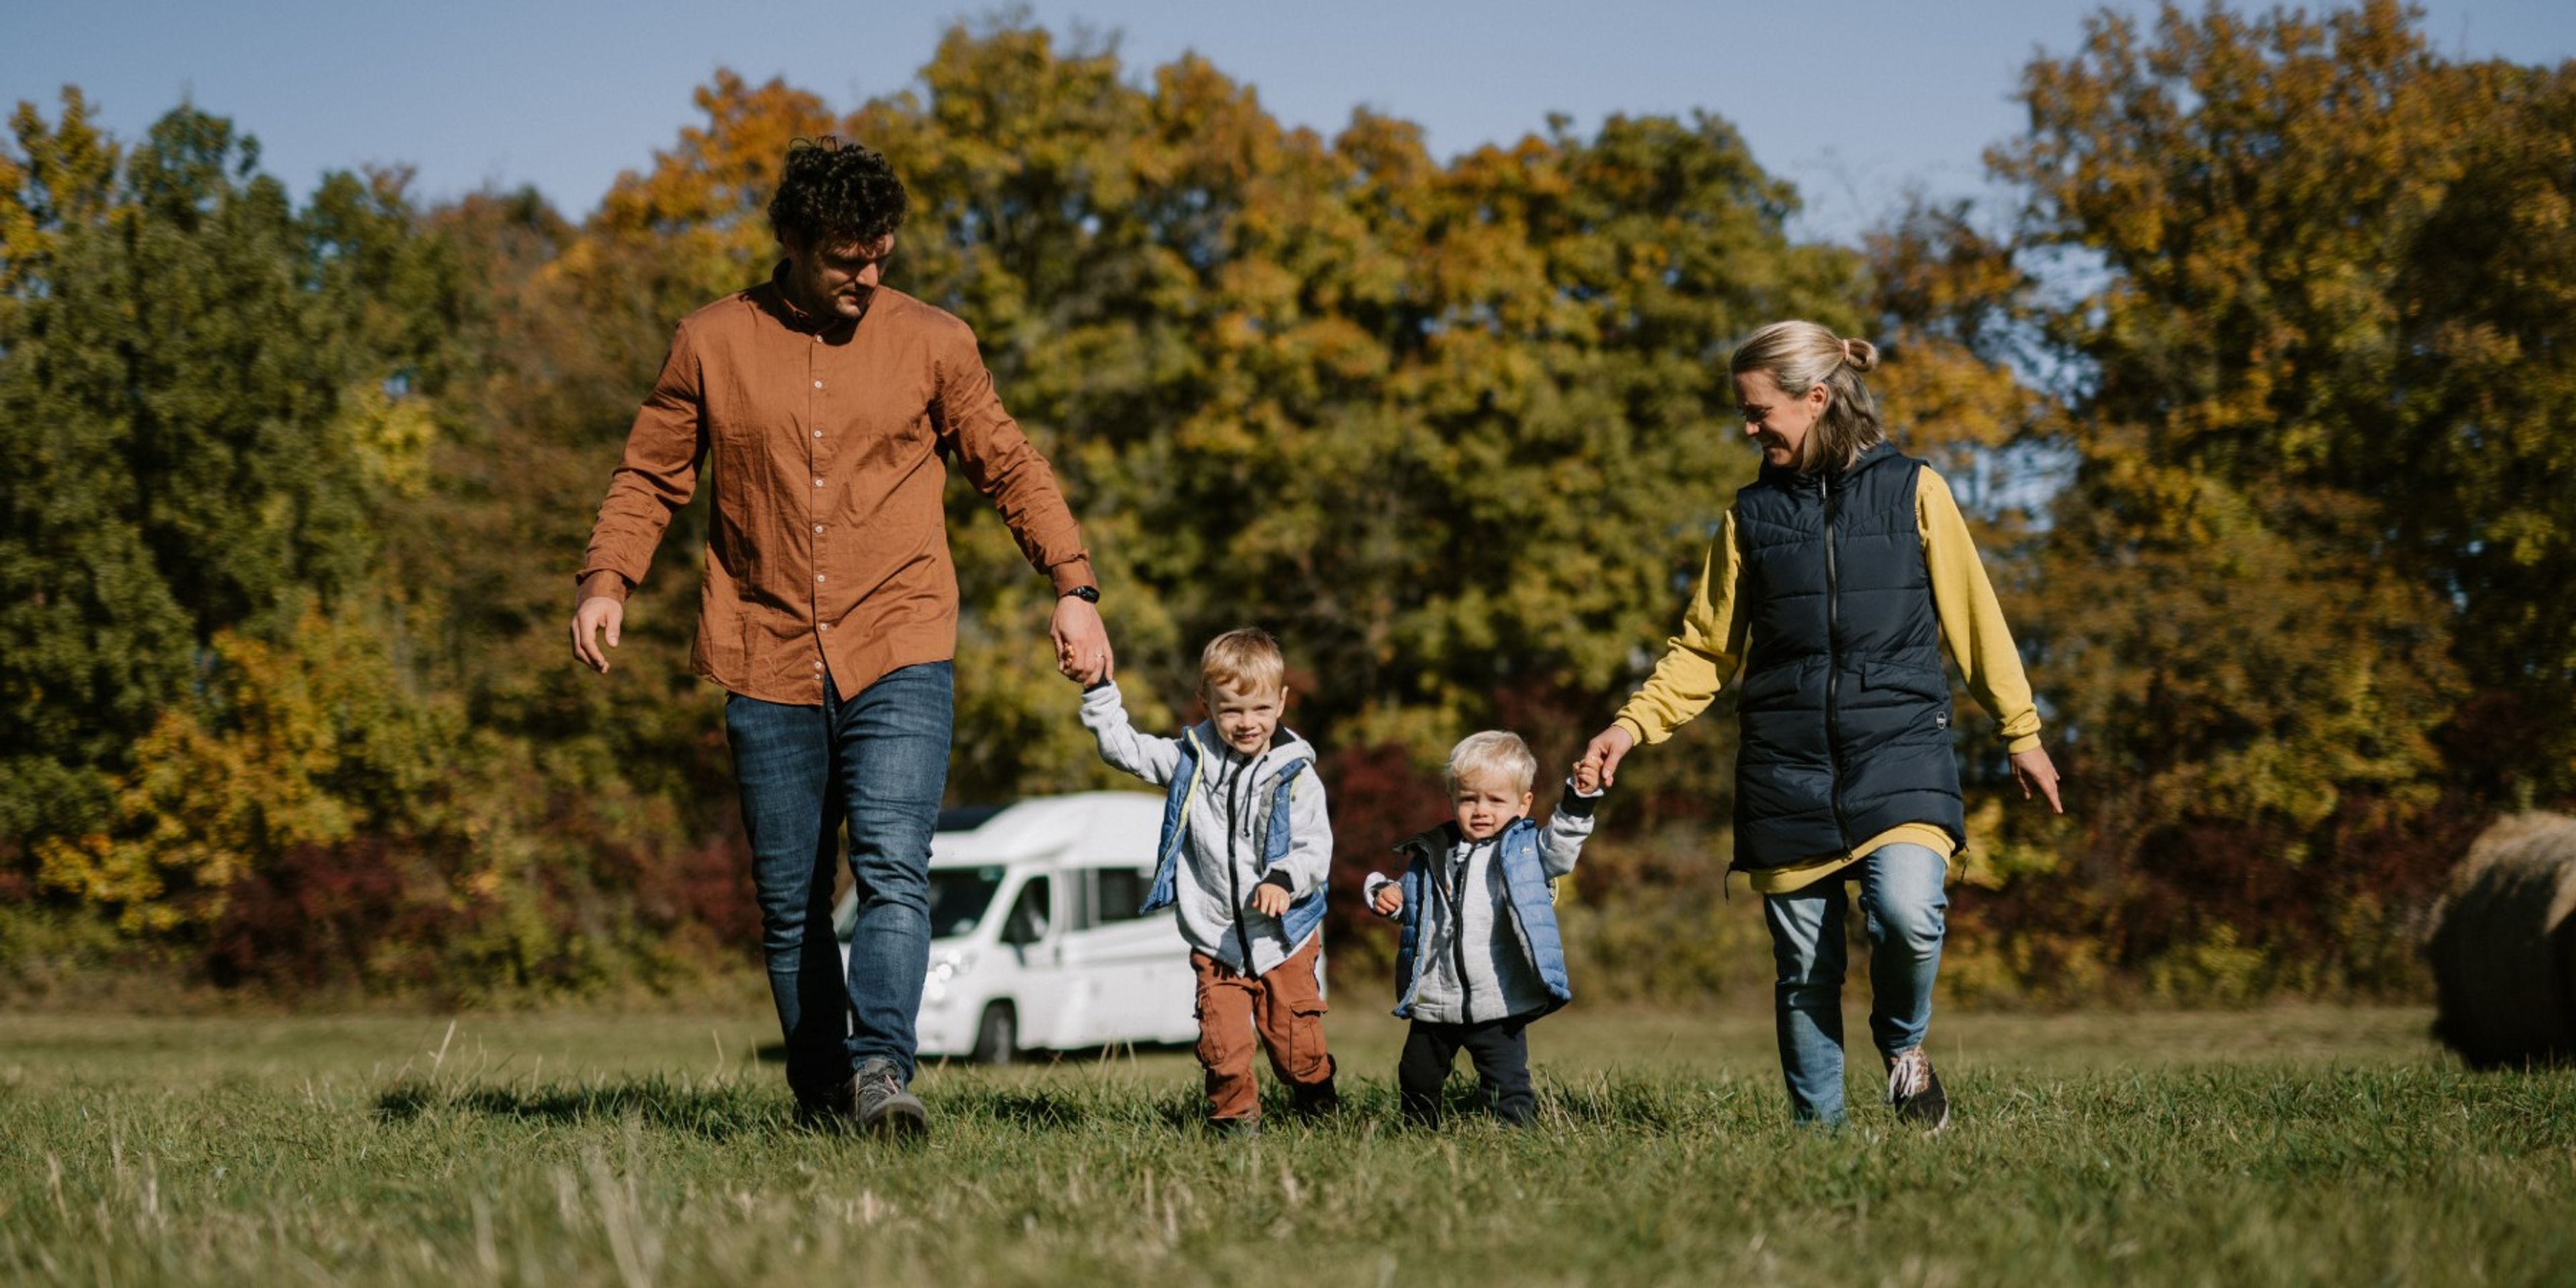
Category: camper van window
[1118,892]
[1030,914]
[958,898]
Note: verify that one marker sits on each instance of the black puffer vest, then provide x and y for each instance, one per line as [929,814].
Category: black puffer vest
[1845,710]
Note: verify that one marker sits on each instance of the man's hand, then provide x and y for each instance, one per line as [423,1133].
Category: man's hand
[1081,643]
[1390,899]
[1599,767]
[596,613]
[1270,900]
[2033,770]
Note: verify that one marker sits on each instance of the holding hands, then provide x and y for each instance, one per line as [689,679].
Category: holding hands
[1599,767]
[1082,650]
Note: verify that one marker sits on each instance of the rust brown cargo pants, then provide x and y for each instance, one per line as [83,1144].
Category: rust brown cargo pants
[1285,1008]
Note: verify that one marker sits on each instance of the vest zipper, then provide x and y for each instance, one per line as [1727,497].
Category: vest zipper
[1833,663]
[1233,870]
[1458,933]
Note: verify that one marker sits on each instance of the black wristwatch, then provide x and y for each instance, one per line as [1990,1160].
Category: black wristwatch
[1087,594]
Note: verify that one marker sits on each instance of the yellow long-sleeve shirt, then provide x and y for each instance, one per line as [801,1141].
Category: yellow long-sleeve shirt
[1710,650]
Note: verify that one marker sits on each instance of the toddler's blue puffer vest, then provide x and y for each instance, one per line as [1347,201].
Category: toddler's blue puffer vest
[1532,907]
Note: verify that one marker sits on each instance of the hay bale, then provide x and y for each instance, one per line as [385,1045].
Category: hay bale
[2503,947]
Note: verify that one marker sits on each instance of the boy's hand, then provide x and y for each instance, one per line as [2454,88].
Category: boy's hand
[1270,900]
[2034,771]
[1390,900]
[1600,764]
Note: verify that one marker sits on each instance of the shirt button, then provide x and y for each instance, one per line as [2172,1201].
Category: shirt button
[818,527]
[818,666]
[818,384]
[818,576]
[825,626]
[818,482]
[818,433]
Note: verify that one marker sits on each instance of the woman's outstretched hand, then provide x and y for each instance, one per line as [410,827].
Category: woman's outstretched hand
[1599,767]
[2035,773]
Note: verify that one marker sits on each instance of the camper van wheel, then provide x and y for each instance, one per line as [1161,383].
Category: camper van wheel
[997,1035]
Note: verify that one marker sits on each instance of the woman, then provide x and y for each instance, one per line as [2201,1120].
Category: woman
[1834,581]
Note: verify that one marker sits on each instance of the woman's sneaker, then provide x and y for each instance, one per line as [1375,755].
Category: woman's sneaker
[885,1107]
[1915,1091]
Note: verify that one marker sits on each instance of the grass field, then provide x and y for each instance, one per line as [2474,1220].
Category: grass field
[2281,1146]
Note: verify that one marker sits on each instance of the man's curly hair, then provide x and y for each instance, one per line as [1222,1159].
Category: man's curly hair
[834,194]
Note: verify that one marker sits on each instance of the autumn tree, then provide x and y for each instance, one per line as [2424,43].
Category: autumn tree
[2308,381]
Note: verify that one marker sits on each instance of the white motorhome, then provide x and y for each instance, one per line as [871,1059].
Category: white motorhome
[1035,942]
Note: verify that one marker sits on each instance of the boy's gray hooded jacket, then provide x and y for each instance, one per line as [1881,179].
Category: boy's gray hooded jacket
[1227,831]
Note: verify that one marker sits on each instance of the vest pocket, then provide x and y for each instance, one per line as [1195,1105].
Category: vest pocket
[1925,682]
[1769,685]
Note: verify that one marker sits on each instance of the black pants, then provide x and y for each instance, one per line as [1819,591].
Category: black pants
[1499,1049]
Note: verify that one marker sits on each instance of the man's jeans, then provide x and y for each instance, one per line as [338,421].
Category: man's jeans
[1900,893]
[880,760]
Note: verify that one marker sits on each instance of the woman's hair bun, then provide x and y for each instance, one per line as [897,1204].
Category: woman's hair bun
[1860,355]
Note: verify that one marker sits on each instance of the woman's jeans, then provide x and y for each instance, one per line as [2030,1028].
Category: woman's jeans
[880,762]
[1900,894]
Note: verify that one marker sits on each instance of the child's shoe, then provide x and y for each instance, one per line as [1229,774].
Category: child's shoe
[1317,1101]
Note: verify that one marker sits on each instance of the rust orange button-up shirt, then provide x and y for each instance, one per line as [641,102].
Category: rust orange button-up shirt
[823,441]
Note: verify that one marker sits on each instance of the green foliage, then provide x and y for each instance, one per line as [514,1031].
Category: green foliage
[2253,407]
[177,351]
[2287,612]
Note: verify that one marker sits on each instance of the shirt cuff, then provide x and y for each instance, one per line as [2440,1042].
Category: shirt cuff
[2026,742]
[1575,803]
[1368,891]
[601,583]
[1635,729]
[1072,573]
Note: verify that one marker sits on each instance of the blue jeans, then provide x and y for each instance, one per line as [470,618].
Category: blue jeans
[880,761]
[1900,893]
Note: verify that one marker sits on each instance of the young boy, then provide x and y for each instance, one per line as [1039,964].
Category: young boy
[1479,956]
[1245,851]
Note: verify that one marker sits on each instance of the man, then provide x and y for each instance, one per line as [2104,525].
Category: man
[822,404]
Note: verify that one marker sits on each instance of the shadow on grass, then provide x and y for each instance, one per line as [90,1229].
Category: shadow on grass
[776,1053]
[716,1113]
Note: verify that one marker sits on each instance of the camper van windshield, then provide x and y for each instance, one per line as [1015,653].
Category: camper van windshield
[958,897]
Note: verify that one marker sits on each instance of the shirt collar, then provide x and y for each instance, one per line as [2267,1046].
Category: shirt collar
[799,320]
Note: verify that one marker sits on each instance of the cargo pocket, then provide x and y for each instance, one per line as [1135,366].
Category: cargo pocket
[1306,1038]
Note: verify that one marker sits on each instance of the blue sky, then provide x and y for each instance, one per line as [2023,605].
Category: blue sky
[1856,101]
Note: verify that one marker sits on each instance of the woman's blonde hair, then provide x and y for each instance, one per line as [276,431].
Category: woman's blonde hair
[1798,356]
[1491,754]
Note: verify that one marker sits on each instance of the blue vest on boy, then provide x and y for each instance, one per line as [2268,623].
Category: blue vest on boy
[1304,915]
[1532,907]
[1844,707]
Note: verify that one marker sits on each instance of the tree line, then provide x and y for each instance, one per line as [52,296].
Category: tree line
[2256,391]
